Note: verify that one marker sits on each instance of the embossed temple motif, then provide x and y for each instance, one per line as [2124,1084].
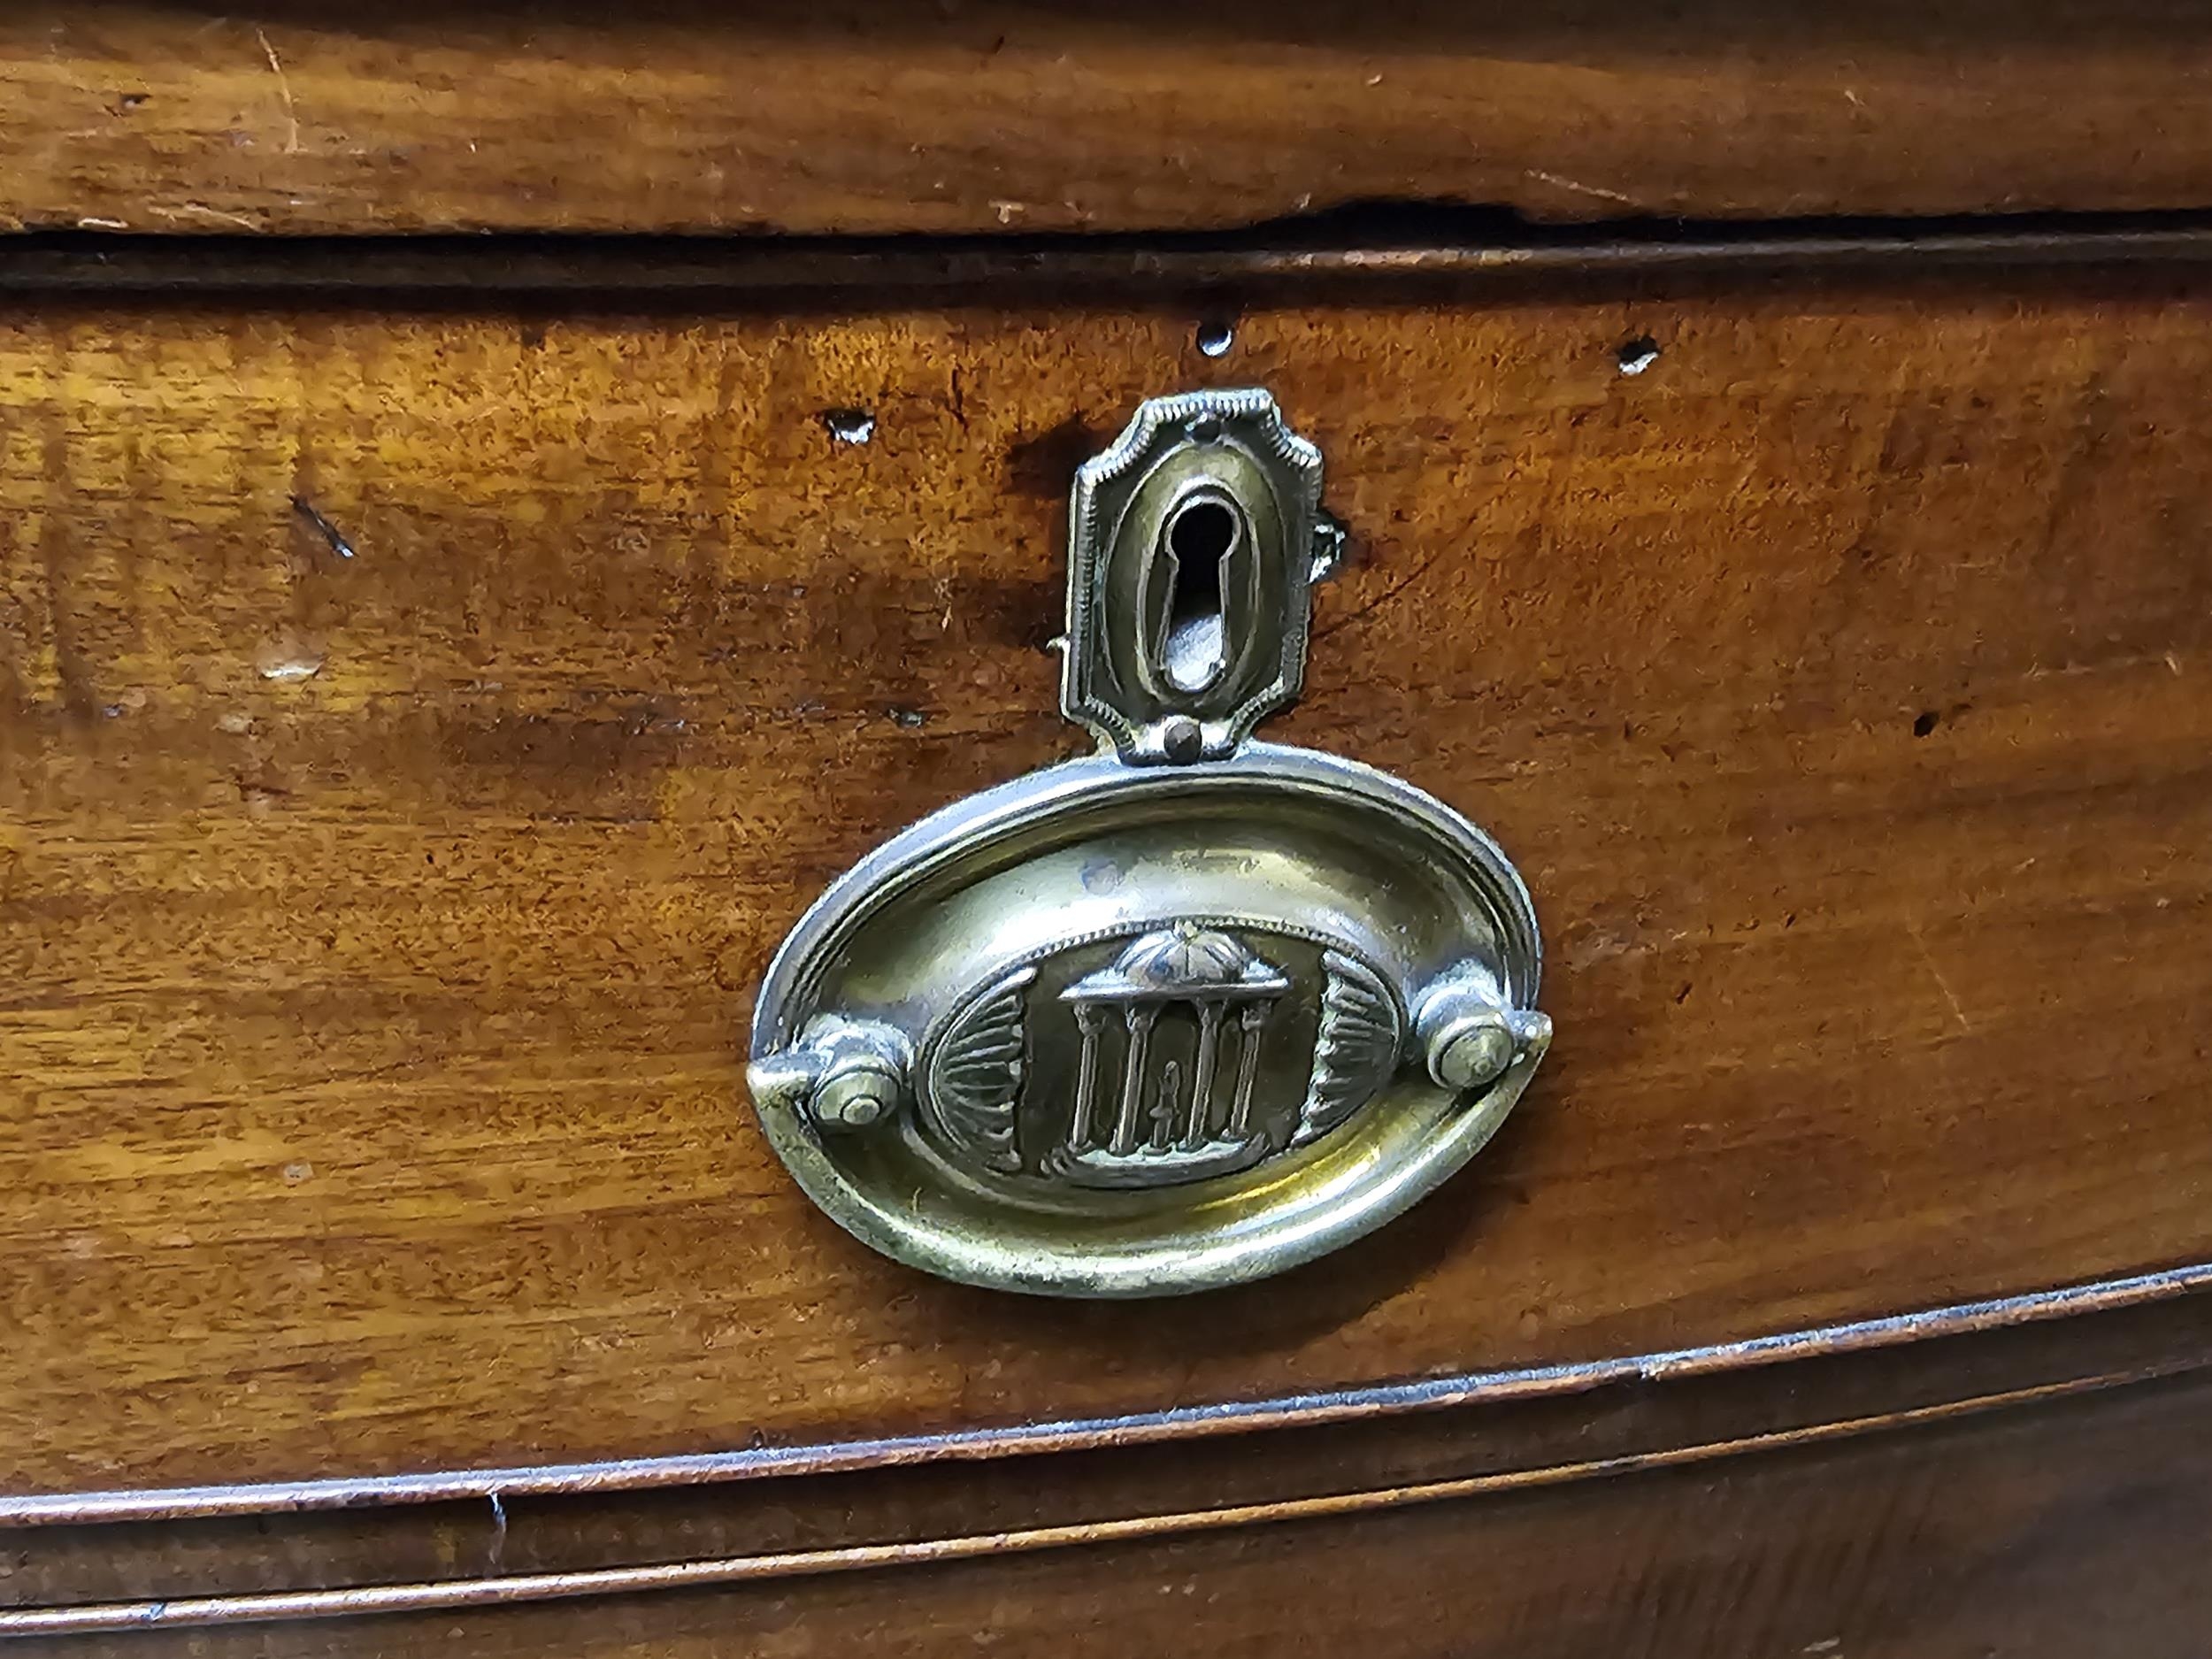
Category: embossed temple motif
[1185,1053]
[1138,1119]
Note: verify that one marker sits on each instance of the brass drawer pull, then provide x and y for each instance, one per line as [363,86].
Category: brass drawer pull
[1184,1013]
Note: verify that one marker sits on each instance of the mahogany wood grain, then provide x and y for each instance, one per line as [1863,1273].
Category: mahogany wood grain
[2074,1528]
[530,1534]
[1021,115]
[382,884]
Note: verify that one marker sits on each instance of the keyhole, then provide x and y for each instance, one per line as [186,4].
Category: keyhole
[1201,537]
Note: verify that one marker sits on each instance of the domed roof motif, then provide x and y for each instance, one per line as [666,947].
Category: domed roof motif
[1187,959]
[1185,955]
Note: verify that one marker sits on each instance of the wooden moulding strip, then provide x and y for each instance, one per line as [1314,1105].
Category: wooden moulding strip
[454,1594]
[1084,1434]
[813,270]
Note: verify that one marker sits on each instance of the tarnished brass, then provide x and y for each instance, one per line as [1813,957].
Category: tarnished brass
[1189,1012]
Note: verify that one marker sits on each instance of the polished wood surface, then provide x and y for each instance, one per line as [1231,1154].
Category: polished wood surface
[2078,1530]
[423,723]
[1022,115]
[118,1561]
[2075,1527]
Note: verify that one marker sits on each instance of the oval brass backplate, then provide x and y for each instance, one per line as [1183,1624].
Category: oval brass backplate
[1185,1013]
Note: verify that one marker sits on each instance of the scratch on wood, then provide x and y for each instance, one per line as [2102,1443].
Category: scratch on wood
[1383,597]
[200,211]
[284,86]
[1577,187]
[329,531]
[1942,983]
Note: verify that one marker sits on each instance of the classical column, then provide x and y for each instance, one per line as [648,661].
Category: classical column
[1139,1016]
[1201,1088]
[1090,1018]
[1254,1015]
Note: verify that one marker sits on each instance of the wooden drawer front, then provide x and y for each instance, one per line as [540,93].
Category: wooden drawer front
[424,720]
[999,117]
[2037,1488]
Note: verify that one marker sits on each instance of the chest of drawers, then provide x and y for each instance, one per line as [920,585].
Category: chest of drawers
[440,669]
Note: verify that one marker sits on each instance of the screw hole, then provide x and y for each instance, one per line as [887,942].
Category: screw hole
[1635,356]
[1215,337]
